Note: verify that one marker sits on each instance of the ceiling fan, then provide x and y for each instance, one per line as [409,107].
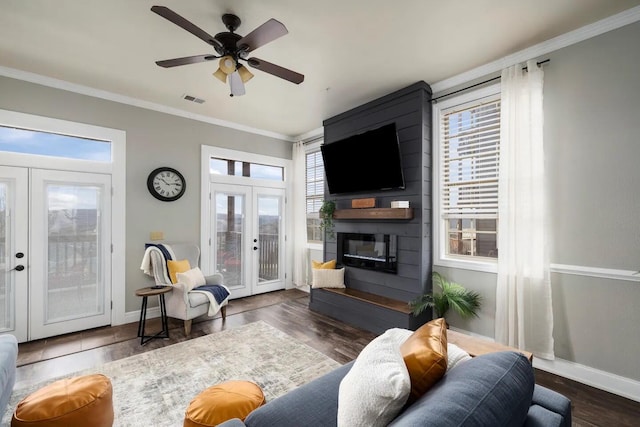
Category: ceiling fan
[232,48]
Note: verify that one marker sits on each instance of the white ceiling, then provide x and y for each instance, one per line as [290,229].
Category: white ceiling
[350,51]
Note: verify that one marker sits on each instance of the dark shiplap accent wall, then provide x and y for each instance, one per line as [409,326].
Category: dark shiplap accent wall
[410,109]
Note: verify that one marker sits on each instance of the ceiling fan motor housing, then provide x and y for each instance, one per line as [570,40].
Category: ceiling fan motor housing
[228,41]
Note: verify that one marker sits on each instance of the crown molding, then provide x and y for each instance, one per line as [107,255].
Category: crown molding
[613,22]
[122,99]
[311,135]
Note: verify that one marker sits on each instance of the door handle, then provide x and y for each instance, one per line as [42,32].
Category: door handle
[18,267]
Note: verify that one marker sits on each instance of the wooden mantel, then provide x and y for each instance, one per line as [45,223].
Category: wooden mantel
[374,213]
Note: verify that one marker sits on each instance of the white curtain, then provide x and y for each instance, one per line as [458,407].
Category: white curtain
[524,317]
[300,255]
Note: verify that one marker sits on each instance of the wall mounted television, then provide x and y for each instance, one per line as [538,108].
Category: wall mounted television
[370,161]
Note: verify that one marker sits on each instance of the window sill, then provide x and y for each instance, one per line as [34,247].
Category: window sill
[474,265]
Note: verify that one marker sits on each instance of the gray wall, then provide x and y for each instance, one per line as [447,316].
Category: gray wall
[592,152]
[153,139]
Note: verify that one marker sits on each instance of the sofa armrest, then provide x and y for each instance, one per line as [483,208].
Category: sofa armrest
[312,404]
[180,291]
[542,417]
[552,402]
[234,422]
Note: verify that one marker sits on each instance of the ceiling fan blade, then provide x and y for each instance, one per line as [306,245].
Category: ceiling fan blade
[181,22]
[167,63]
[276,70]
[265,33]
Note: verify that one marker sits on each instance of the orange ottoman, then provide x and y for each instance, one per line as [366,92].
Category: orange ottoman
[71,402]
[222,402]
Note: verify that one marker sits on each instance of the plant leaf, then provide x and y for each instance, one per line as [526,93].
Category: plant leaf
[421,303]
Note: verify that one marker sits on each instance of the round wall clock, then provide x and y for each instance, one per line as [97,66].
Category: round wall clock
[166,184]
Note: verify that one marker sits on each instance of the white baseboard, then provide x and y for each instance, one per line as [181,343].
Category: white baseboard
[134,316]
[602,380]
[599,379]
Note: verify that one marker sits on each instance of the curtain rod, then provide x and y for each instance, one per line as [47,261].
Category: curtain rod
[313,139]
[481,83]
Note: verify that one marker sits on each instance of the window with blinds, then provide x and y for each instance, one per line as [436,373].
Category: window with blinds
[314,194]
[469,162]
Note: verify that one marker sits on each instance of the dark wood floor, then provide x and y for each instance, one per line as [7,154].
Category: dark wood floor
[287,311]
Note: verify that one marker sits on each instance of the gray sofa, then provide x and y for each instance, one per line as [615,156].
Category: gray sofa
[496,389]
[8,359]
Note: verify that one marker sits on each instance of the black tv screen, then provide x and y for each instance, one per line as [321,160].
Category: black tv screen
[369,161]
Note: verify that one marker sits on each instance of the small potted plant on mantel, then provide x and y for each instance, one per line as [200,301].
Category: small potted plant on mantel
[326,216]
[452,295]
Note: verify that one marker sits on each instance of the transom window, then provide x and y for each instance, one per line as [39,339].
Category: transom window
[252,170]
[469,151]
[25,141]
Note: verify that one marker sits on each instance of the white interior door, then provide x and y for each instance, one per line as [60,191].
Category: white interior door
[70,252]
[248,237]
[14,274]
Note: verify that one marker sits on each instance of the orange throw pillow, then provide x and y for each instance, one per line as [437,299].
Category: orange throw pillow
[425,354]
[176,267]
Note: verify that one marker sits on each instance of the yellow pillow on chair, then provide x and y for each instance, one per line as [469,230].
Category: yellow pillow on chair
[329,265]
[175,267]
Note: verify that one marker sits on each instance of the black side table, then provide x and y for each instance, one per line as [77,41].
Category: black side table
[149,292]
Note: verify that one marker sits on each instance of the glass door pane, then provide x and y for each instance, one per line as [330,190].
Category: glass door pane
[230,231]
[74,285]
[268,238]
[6,283]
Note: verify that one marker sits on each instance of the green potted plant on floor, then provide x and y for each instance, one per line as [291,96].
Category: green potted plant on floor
[326,216]
[451,296]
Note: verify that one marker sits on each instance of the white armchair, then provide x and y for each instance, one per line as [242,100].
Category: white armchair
[182,302]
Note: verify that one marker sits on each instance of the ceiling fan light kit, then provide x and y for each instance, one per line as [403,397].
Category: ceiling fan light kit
[220,75]
[227,64]
[245,74]
[232,48]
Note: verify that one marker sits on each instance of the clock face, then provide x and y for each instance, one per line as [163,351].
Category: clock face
[166,184]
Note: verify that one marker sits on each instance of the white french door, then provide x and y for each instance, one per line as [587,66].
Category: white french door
[248,238]
[56,259]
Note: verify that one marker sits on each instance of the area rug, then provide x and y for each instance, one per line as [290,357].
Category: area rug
[155,388]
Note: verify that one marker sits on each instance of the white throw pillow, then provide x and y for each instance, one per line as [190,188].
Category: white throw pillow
[376,388]
[455,355]
[191,278]
[328,278]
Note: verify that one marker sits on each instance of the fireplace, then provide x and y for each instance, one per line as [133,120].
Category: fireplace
[377,252]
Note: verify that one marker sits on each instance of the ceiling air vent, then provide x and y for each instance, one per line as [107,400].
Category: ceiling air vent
[193,99]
